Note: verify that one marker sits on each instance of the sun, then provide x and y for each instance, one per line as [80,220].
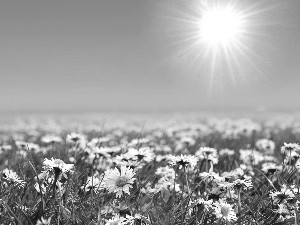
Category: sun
[221,25]
[220,44]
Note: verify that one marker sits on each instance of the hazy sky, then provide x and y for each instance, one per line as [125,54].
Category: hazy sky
[99,55]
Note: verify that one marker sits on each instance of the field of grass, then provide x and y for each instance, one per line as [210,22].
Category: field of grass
[150,171]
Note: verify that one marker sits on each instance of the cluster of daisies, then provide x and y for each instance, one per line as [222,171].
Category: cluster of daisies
[165,176]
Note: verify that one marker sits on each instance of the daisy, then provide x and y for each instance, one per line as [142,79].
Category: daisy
[57,166]
[145,153]
[212,176]
[135,165]
[140,141]
[160,158]
[189,141]
[205,151]
[183,161]
[252,157]
[43,221]
[102,151]
[265,146]
[112,150]
[33,147]
[247,170]
[239,183]
[4,148]
[291,158]
[288,148]
[165,183]
[117,220]
[285,194]
[130,155]
[21,145]
[12,177]
[282,210]
[98,142]
[51,139]
[226,151]
[297,164]
[199,202]
[209,154]
[269,168]
[76,139]
[136,219]
[166,172]
[119,181]
[208,204]
[223,210]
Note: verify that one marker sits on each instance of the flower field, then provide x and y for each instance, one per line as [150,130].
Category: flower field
[159,171]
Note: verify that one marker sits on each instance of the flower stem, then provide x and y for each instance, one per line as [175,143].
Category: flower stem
[239,199]
[187,182]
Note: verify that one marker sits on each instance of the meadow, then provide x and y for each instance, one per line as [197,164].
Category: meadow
[162,171]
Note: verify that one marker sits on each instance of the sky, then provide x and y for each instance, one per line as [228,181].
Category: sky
[139,55]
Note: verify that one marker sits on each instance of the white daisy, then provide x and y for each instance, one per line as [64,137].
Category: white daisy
[119,181]
[57,166]
[226,151]
[136,219]
[208,204]
[212,176]
[12,177]
[282,210]
[4,148]
[116,220]
[51,139]
[21,145]
[251,157]
[239,183]
[290,147]
[166,172]
[145,153]
[209,154]
[183,160]
[269,168]
[43,221]
[266,146]
[165,183]
[205,151]
[223,210]
[78,140]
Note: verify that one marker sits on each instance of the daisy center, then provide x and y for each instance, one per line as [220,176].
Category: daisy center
[225,211]
[122,181]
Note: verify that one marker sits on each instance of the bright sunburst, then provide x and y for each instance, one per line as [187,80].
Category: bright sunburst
[220,41]
[221,26]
